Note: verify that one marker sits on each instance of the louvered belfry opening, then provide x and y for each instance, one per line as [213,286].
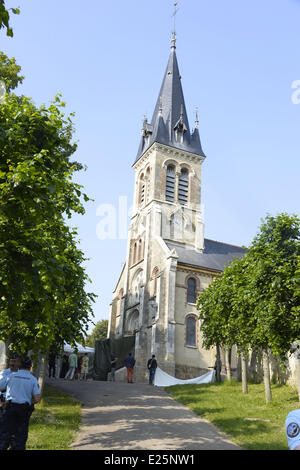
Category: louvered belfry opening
[170,184]
[143,193]
[142,190]
[183,187]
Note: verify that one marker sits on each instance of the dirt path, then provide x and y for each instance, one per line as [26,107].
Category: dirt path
[125,416]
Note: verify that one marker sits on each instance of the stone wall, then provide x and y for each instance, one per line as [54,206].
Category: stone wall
[185,372]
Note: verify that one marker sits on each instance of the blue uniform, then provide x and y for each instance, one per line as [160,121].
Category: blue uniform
[5,372]
[292,427]
[20,388]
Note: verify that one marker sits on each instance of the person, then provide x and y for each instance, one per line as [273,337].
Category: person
[51,364]
[78,368]
[27,366]
[152,365]
[64,366]
[129,364]
[292,428]
[113,362]
[72,365]
[14,364]
[85,366]
[22,390]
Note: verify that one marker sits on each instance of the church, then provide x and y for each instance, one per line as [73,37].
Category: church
[168,261]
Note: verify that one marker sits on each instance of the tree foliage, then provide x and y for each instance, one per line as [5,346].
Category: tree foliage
[274,283]
[42,280]
[9,72]
[5,17]
[255,303]
[99,332]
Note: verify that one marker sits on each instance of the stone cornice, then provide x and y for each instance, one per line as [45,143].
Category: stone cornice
[189,268]
[168,151]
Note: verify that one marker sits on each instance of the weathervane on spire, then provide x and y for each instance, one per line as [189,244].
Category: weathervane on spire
[174,27]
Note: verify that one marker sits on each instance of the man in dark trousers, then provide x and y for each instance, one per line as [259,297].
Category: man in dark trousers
[51,364]
[129,364]
[152,365]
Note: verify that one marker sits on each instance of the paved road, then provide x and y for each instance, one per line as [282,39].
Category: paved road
[121,416]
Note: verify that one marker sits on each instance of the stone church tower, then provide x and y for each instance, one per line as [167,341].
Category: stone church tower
[168,259]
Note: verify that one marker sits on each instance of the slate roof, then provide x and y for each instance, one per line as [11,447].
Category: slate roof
[169,114]
[216,255]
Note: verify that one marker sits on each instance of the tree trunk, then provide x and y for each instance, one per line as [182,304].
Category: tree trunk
[267,380]
[39,368]
[42,373]
[218,365]
[244,373]
[227,361]
[3,357]
[4,354]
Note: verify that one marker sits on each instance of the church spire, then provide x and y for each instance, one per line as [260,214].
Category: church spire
[169,124]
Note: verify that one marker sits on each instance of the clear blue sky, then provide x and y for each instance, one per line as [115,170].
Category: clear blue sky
[238,61]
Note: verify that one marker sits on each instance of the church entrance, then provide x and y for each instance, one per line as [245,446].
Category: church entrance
[131,322]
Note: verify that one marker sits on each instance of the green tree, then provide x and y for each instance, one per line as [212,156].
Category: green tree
[273,261]
[43,298]
[99,332]
[213,315]
[224,316]
[9,72]
[5,17]
[256,302]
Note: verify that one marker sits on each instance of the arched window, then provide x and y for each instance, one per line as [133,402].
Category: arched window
[172,218]
[154,277]
[134,255]
[121,293]
[191,335]
[183,186]
[140,252]
[191,292]
[148,180]
[170,183]
[136,283]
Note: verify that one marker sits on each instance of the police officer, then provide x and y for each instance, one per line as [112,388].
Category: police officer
[21,391]
[292,427]
[14,364]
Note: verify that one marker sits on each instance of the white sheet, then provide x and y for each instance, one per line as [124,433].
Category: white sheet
[162,379]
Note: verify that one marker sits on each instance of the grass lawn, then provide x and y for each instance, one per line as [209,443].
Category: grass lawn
[54,422]
[246,419]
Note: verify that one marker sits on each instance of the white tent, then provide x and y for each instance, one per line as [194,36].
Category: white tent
[81,349]
[162,379]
